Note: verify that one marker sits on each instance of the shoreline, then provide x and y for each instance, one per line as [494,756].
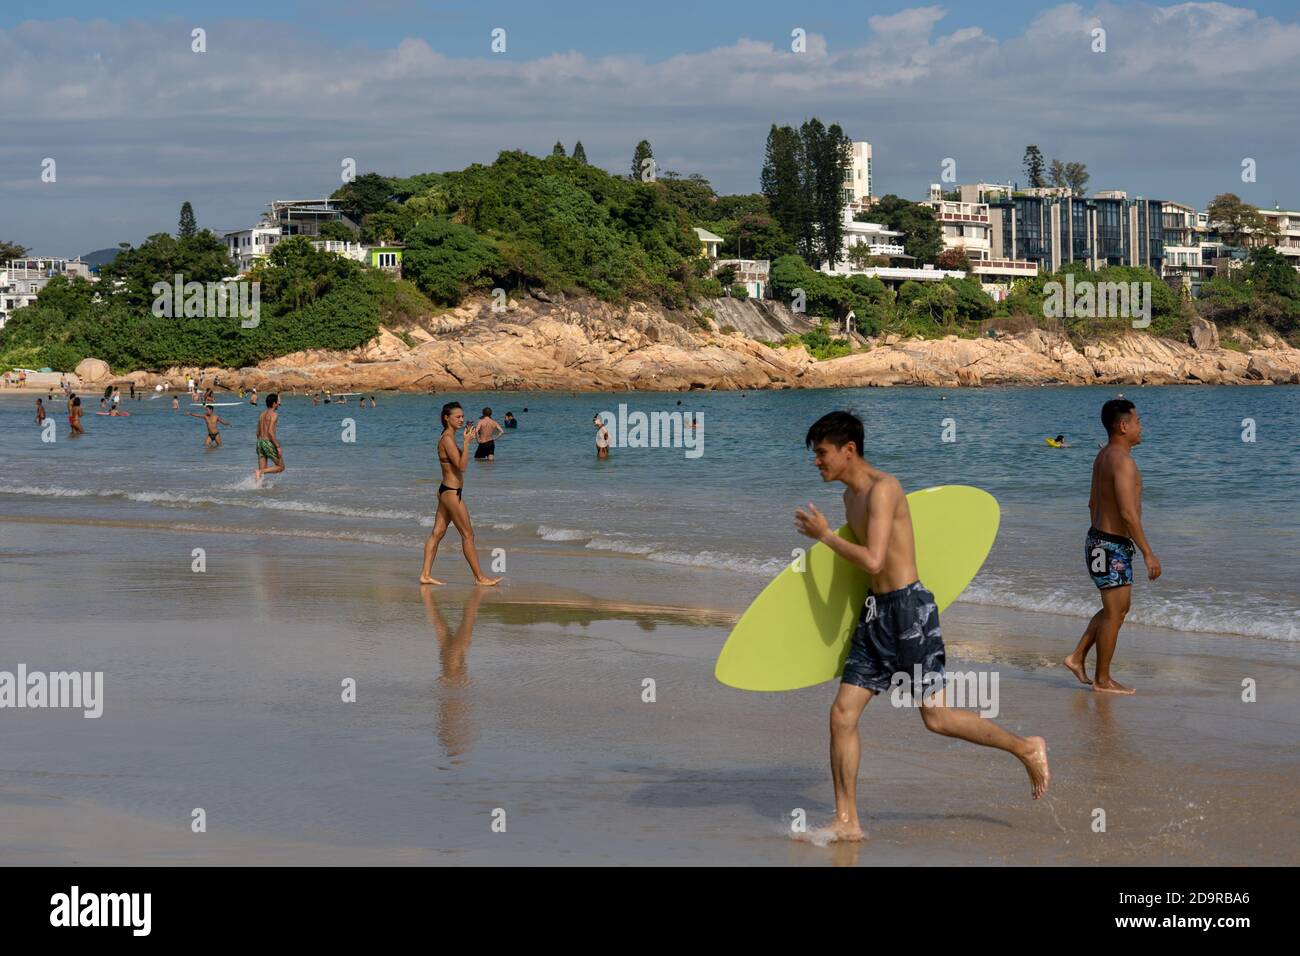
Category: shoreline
[589,346]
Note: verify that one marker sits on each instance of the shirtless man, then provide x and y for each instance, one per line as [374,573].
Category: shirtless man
[1115,502]
[212,419]
[899,624]
[40,412]
[487,437]
[602,437]
[451,504]
[268,446]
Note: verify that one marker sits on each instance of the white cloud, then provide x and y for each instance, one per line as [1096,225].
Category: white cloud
[139,123]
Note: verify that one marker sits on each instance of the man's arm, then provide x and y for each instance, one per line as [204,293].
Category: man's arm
[1126,497]
[881,505]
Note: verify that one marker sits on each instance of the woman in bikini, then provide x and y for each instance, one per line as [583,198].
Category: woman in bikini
[451,504]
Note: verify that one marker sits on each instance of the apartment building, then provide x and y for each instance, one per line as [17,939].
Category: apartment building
[1052,230]
[21,280]
[857,178]
[283,219]
[967,223]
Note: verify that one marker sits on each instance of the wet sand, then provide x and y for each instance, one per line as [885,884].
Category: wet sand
[223,691]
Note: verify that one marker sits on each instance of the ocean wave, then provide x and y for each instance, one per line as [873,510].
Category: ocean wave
[1225,615]
[182,499]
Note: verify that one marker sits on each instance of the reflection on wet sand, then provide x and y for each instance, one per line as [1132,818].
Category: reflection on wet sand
[456,730]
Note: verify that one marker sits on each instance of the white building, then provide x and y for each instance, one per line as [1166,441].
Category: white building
[22,280]
[1287,224]
[857,178]
[284,218]
[967,224]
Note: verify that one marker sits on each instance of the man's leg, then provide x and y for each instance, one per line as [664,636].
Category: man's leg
[279,466]
[846,751]
[968,725]
[1078,659]
[1115,605]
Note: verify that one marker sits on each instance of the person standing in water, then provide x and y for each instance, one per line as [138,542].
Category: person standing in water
[212,420]
[74,417]
[268,446]
[40,412]
[898,628]
[602,437]
[1115,504]
[487,436]
[451,504]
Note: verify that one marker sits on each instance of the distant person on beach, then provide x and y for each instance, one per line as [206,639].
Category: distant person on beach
[602,437]
[102,400]
[176,404]
[268,446]
[252,400]
[74,418]
[451,493]
[510,421]
[212,419]
[898,628]
[372,401]
[40,412]
[1115,504]
[487,431]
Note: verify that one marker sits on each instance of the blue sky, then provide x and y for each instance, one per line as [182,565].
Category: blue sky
[137,123]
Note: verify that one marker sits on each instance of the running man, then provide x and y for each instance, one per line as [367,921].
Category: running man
[487,438]
[602,437]
[268,446]
[451,503]
[1115,503]
[899,624]
[212,419]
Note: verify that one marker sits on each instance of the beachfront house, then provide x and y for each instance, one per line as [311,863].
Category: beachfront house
[709,243]
[21,280]
[283,219]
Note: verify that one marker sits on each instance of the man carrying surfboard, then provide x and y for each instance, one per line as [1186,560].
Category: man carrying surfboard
[1115,504]
[898,627]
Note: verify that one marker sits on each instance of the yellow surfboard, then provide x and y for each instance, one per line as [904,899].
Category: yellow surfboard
[796,633]
[1053,442]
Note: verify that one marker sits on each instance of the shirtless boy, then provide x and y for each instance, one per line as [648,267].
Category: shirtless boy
[899,624]
[1115,503]
[268,446]
[212,419]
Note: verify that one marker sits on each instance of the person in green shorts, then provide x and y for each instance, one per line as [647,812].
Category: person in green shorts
[268,446]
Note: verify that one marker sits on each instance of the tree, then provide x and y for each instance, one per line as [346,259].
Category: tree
[954,258]
[579,154]
[781,184]
[557,149]
[640,155]
[1073,176]
[338,231]
[368,193]
[921,235]
[827,155]
[1239,223]
[187,228]
[11,250]
[1034,165]
[445,260]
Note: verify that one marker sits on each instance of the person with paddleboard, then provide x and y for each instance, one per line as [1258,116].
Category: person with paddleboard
[212,420]
[1115,504]
[268,446]
[898,626]
[454,460]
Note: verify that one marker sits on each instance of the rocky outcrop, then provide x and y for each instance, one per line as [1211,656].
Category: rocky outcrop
[92,370]
[1205,335]
[587,345]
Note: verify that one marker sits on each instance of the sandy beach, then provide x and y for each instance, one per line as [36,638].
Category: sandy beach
[222,692]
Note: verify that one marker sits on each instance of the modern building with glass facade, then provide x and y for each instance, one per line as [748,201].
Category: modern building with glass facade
[1101,231]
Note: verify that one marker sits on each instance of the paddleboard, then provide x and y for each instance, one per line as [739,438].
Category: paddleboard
[1053,442]
[796,632]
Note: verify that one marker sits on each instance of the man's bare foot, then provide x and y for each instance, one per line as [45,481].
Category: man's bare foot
[1035,761]
[425,579]
[487,582]
[1109,686]
[257,475]
[1076,668]
[838,831]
